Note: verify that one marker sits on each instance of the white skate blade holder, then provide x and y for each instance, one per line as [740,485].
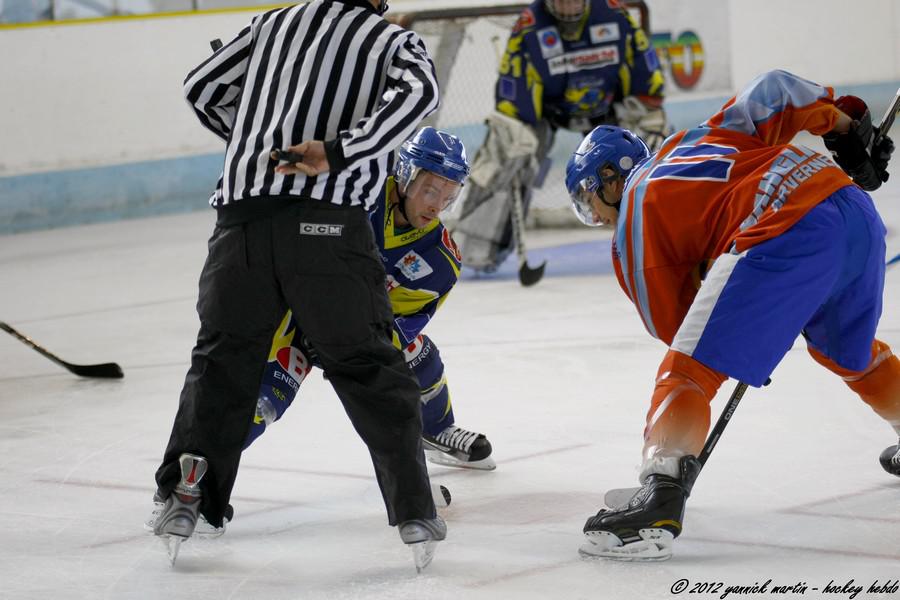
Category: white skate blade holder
[654,545]
[442,458]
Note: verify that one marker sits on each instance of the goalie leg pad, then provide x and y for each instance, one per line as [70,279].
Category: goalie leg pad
[509,157]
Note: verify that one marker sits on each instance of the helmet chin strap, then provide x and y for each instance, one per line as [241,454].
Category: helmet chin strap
[616,205]
[401,205]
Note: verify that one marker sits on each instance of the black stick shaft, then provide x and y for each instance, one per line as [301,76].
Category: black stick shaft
[888,119]
[724,418]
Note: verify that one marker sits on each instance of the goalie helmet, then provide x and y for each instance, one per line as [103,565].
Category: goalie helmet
[569,14]
[604,147]
[435,151]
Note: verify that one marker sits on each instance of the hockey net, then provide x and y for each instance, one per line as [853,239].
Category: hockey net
[466,45]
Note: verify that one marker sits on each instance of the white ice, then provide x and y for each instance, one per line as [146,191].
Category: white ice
[558,376]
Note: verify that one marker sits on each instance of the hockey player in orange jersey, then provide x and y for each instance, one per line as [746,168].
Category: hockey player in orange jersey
[784,242]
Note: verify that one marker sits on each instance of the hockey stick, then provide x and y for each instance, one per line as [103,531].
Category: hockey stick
[887,121]
[105,370]
[619,497]
[527,276]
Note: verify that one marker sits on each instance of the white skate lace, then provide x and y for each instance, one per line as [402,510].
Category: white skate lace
[457,437]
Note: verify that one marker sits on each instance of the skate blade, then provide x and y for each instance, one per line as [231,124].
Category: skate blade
[654,545]
[440,458]
[423,553]
[173,545]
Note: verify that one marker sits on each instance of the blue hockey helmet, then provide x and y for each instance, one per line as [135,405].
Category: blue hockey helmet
[435,151]
[605,147]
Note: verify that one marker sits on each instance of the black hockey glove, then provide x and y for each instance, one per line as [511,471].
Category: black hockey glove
[881,155]
[851,150]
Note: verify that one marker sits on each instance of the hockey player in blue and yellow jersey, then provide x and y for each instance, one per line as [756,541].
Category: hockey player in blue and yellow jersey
[567,61]
[422,264]
[569,64]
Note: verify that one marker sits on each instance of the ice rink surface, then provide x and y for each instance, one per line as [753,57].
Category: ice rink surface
[558,376]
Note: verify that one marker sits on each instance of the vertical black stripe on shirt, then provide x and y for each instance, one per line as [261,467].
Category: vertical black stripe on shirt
[393,108]
[278,138]
[345,120]
[278,134]
[311,89]
[318,63]
[374,96]
[256,92]
[254,157]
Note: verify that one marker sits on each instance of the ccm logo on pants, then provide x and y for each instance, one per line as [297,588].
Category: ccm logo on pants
[320,229]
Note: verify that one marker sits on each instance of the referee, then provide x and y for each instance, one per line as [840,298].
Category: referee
[334,81]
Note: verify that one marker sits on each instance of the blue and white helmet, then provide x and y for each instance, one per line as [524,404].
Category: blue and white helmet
[604,147]
[435,151]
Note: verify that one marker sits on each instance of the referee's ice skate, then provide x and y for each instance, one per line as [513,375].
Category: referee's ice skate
[422,536]
[178,518]
[458,447]
[203,527]
[644,529]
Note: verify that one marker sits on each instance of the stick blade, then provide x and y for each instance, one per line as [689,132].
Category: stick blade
[103,371]
[529,276]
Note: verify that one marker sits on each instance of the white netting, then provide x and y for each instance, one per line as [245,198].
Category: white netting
[466,51]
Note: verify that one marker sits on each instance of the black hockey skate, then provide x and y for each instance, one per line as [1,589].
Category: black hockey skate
[458,447]
[422,535]
[178,518]
[890,459]
[647,526]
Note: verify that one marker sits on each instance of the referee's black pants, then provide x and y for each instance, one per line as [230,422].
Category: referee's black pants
[319,260]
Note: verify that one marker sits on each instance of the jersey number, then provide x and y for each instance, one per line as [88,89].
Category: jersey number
[702,162]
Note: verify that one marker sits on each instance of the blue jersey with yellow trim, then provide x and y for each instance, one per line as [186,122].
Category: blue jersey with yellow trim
[422,266]
[543,75]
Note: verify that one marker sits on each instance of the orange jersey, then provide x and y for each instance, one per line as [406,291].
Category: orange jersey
[724,186]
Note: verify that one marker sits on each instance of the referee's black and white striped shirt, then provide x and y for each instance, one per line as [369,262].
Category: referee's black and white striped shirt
[330,70]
